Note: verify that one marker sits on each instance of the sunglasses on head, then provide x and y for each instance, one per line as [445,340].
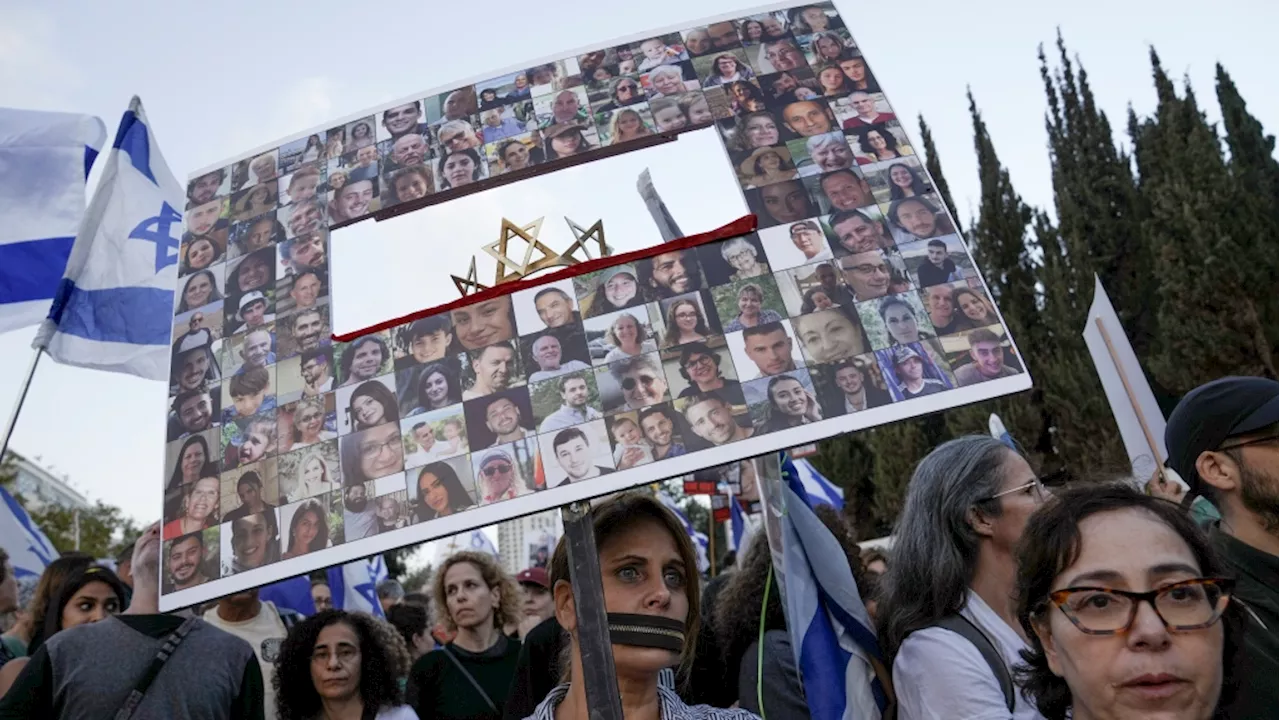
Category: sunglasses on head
[629,384]
[496,469]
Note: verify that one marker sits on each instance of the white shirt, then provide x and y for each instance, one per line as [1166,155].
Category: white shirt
[264,633]
[938,674]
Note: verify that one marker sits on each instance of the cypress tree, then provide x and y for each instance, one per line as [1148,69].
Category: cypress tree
[1099,211]
[933,164]
[846,461]
[1255,207]
[998,240]
[1211,315]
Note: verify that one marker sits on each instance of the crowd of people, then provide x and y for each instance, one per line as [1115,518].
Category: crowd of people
[1000,598]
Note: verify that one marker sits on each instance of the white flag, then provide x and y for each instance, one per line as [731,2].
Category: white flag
[114,308]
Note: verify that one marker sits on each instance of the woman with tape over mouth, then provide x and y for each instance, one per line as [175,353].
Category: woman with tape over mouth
[651,593]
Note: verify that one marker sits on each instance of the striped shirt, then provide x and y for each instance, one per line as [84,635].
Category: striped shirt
[673,708]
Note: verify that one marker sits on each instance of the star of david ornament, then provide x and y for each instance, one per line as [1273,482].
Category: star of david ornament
[470,283]
[581,237]
[526,265]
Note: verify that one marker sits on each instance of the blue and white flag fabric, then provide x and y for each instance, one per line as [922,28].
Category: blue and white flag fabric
[29,550]
[354,586]
[999,432]
[700,541]
[818,489]
[45,158]
[294,594]
[737,525]
[114,308]
[831,636]
[480,542]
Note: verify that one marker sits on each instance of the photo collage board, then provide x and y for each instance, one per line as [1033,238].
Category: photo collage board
[856,294]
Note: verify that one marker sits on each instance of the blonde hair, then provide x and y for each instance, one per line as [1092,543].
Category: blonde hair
[507,609]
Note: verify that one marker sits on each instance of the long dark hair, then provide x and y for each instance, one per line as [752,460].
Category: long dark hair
[78,577]
[450,379]
[380,665]
[216,296]
[311,505]
[1051,543]
[209,466]
[380,395]
[458,497]
[936,548]
[918,186]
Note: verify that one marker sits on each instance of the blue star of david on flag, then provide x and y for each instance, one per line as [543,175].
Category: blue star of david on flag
[114,307]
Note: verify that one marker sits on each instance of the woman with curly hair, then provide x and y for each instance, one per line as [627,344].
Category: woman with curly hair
[469,678]
[337,664]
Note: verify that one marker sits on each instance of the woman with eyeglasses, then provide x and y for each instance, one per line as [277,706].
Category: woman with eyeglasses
[700,365]
[685,323]
[341,665]
[470,677]
[743,257]
[947,598]
[1122,600]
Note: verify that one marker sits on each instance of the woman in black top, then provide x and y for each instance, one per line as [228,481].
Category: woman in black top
[469,678]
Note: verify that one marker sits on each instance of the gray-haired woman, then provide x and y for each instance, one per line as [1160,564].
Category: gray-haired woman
[742,256]
[966,507]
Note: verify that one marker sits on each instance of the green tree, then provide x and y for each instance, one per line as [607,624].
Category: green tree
[1255,206]
[998,240]
[1210,311]
[104,529]
[933,164]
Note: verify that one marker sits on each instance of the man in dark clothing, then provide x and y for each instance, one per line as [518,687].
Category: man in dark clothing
[1222,441]
[62,680]
[937,268]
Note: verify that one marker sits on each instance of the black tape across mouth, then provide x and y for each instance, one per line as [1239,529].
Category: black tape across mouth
[652,631]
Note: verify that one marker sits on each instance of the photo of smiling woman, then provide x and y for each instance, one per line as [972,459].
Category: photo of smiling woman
[789,402]
[616,289]
[459,167]
[372,404]
[565,140]
[313,477]
[249,543]
[627,124]
[308,529]
[974,306]
[438,492]
[200,253]
[469,678]
[199,508]
[437,387]
[481,324]
[685,322]
[199,290]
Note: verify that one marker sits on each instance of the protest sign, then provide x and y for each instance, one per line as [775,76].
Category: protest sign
[846,301]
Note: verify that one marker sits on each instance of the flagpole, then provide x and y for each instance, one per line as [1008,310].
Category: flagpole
[22,396]
[1133,399]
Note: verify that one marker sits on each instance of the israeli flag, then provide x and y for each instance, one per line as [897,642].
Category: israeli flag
[113,310]
[354,586]
[480,542]
[700,541]
[817,489]
[737,525]
[835,647]
[45,158]
[29,550]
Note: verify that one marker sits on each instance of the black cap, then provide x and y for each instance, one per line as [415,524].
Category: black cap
[1213,412]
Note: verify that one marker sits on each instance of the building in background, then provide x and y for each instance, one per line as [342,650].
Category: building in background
[39,487]
[519,540]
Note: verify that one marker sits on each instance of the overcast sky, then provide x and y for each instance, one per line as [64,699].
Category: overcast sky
[219,79]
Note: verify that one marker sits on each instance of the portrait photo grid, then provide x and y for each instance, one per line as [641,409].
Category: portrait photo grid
[856,292]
